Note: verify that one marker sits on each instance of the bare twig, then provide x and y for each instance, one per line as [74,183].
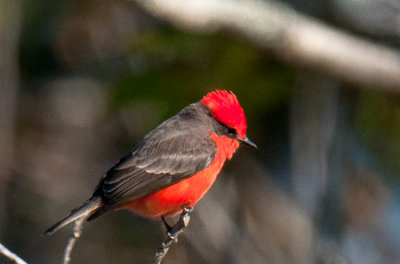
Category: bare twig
[294,37]
[10,255]
[78,228]
[172,235]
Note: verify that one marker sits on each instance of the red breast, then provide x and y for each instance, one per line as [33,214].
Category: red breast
[169,201]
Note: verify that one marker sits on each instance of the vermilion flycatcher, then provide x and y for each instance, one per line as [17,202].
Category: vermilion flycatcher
[174,165]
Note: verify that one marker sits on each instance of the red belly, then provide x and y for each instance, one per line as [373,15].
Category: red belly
[170,200]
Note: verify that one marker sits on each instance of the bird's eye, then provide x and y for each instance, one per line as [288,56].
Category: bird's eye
[231,132]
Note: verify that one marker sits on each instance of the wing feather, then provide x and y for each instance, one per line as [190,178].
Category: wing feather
[167,155]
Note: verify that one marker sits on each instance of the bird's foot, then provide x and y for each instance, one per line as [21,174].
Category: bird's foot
[172,233]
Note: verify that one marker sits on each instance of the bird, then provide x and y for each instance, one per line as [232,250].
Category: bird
[173,165]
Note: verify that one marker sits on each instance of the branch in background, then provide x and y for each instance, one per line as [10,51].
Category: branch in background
[295,38]
[78,228]
[10,255]
[172,235]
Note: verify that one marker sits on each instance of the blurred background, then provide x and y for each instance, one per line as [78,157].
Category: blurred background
[82,81]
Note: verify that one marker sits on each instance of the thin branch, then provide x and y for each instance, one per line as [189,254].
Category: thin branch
[293,37]
[78,228]
[172,235]
[10,255]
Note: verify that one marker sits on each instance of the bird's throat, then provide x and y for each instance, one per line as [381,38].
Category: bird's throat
[226,146]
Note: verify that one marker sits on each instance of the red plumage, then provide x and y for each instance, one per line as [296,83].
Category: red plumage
[188,192]
[174,165]
[226,109]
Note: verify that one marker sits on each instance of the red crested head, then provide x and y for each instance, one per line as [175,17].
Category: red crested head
[226,109]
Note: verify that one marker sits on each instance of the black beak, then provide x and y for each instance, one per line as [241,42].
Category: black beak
[247,141]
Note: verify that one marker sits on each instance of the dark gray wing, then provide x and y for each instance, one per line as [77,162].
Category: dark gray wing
[155,166]
[177,149]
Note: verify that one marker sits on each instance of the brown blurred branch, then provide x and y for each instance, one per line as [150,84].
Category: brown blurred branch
[10,255]
[172,235]
[78,228]
[294,37]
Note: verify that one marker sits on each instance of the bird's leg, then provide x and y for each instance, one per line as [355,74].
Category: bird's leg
[172,234]
[167,226]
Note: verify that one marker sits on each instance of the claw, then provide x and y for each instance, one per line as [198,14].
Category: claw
[187,209]
[170,236]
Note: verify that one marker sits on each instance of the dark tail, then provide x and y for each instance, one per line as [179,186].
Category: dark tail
[89,207]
